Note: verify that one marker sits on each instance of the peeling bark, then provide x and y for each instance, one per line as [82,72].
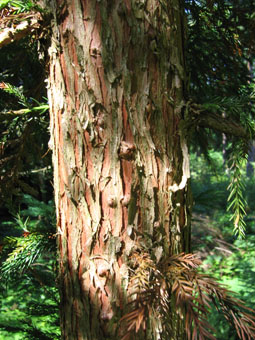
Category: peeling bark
[121,167]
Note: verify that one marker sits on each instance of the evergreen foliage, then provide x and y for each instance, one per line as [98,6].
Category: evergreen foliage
[220,46]
[222,49]
[236,187]
[37,237]
[24,123]
[16,6]
[28,289]
[28,274]
[227,258]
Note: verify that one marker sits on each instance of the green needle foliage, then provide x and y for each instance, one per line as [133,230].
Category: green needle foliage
[23,144]
[28,289]
[237,202]
[16,5]
[37,237]
[236,110]
[228,258]
[4,3]
[27,250]
[240,109]
[28,103]
[29,296]
[220,47]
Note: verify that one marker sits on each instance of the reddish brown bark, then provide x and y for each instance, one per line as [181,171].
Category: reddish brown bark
[120,158]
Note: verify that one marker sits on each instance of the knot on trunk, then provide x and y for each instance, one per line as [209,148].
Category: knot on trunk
[112,201]
[124,200]
[126,150]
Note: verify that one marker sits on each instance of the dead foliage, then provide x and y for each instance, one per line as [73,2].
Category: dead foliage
[160,291]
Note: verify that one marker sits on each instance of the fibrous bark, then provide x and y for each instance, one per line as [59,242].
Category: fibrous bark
[121,166]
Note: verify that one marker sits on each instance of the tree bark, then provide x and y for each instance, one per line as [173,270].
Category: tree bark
[121,164]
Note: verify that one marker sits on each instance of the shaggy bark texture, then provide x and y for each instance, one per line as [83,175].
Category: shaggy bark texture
[121,165]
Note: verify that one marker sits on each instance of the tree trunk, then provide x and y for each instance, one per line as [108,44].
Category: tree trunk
[121,165]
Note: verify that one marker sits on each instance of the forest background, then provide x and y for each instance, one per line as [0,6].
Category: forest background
[220,57]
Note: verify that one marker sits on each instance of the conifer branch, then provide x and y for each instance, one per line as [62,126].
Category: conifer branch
[236,122]
[225,125]
[236,200]
[175,281]
[27,23]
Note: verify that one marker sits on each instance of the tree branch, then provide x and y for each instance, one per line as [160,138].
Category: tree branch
[225,125]
[18,31]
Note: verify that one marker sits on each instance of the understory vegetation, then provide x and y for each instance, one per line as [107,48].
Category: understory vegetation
[225,256]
